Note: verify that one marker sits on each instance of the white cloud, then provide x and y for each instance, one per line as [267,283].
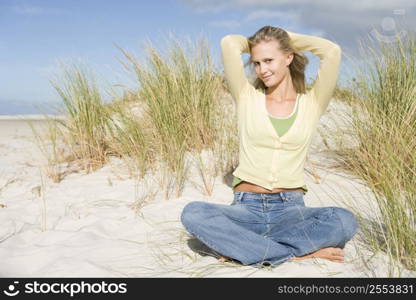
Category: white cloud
[34,10]
[203,6]
[229,24]
[345,23]
[287,16]
[362,5]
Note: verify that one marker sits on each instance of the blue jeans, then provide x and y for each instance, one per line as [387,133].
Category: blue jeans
[261,229]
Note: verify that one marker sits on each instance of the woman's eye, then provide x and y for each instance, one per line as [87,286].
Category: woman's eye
[256,63]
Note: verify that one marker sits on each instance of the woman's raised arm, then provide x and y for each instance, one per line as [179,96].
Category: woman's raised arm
[329,55]
[232,46]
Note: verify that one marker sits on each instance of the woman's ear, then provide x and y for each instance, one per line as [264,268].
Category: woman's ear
[289,58]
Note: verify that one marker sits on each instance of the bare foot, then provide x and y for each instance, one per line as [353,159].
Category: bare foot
[330,253]
[224,259]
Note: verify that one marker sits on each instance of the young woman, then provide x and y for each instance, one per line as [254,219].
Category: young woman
[268,222]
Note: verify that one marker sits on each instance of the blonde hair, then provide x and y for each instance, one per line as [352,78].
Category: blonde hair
[296,67]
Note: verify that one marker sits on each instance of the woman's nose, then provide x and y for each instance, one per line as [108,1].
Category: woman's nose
[263,70]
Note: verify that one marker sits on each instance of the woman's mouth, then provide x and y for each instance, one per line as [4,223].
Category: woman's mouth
[266,77]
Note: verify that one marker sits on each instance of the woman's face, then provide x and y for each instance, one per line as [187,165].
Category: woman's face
[270,63]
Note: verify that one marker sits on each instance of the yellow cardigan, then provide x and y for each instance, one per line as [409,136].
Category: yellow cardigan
[265,158]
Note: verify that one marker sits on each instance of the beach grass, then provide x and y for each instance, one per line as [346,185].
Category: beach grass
[383,127]
[87,119]
[180,92]
[178,110]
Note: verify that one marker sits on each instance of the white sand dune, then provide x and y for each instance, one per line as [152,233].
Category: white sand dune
[85,226]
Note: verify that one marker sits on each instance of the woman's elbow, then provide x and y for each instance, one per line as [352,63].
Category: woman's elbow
[225,41]
[335,52]
[337,49]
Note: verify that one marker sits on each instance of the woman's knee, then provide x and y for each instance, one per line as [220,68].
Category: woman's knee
[348,221]
[193,211]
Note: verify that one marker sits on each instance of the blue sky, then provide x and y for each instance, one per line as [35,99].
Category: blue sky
[36,34]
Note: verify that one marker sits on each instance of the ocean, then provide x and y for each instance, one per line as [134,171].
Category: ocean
[12,107]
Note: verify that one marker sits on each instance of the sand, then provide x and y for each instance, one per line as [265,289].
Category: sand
[87,225]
